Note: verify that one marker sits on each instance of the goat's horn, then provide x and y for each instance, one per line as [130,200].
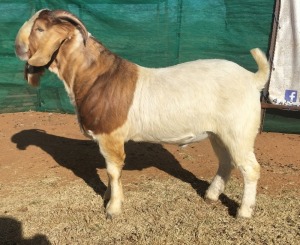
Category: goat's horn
[61,14]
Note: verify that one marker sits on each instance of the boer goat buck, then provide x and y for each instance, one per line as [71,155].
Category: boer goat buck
[117,101]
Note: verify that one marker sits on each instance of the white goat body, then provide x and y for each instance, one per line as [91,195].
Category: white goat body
[117,101]
[180,104]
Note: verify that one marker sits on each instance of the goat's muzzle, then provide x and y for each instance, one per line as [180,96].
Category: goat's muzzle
[21,51]
[32,74]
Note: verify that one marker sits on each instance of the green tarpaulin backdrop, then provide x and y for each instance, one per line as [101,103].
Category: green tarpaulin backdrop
[151,33]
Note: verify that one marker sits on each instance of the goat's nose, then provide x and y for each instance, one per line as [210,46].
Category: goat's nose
[21,51]
[18,49]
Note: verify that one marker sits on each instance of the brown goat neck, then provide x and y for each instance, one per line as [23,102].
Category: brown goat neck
[101,83]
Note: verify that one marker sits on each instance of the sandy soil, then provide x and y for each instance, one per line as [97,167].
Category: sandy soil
[35,145]
[52,181]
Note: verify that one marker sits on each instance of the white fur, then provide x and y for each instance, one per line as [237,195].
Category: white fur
[191,101]
[114,195]
[183,104]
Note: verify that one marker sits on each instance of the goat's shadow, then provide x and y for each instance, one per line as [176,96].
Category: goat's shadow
[11,232]
[82,157]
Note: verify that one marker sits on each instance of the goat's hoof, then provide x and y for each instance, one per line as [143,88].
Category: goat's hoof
[209,201]
[244,213]
[112,210]
[111,216]
[209,198]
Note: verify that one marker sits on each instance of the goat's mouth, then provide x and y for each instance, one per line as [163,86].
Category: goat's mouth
[33,74]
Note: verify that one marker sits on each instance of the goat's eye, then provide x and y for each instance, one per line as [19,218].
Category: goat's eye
[39,29]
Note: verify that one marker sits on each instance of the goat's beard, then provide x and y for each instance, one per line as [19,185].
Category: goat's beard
[33,73]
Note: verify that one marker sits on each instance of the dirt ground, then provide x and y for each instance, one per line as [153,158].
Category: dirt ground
[39,147]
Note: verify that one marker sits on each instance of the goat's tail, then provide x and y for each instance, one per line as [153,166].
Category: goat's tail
[262,75]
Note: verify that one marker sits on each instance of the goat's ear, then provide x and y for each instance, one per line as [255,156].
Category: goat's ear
[50,42]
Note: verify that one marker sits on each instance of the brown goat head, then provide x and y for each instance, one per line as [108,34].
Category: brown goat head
[40,37]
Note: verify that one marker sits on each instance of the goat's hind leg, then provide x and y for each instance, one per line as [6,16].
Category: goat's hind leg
[250,170]
[217,186]
[242,155]
[112,148]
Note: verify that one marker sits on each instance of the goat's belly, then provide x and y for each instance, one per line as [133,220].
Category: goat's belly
[183,139]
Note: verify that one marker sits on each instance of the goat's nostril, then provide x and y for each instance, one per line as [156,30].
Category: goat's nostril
[21,51]
[18,49]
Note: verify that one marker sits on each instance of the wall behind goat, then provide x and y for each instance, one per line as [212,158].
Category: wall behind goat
[151,33]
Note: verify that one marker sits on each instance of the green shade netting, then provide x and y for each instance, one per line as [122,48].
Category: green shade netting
[152,33]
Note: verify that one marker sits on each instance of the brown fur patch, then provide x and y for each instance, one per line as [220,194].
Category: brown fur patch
[102,83]
[112,147]
[104,107]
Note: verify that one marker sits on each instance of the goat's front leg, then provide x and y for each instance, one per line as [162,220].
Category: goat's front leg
[112,148]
